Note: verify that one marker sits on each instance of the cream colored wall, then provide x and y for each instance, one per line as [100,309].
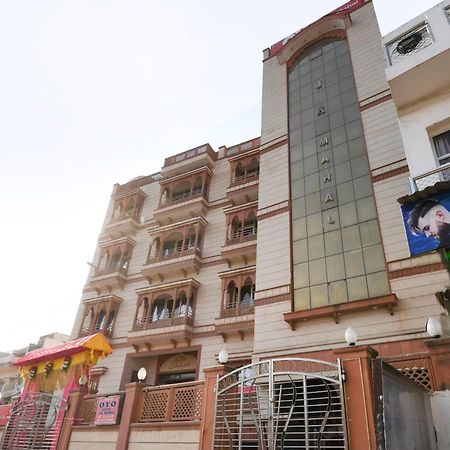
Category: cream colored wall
[364,40]
[274,101]
[102,439]
[417,124]
[164,439]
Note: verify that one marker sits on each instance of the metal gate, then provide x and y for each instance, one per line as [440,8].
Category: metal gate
[34,423]
[281,404]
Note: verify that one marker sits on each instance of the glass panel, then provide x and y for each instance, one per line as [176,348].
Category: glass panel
[351,113]
[311,165]
[347,214]
[317,271]
[298,208]
[301,275]
[319,296]
[337,292]
[350,238]
[360,166]
[366,209]
[309,148]
[370,233]
[298,229]
[378,284]
[296,170]
[354,264]
[316,247]
[300,251]
[333,243]
[345,193]
[301,299]
[374,258]
[340,153]
[338,136]
[313,203]
[314,224]
[343,172]
[298,188]
[357,288]
[363,187]
[354,130]
[330,220]
[335,267]
[356,147]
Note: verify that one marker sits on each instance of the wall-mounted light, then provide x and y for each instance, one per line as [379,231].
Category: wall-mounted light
[223,356]
[434,328]
[82,380]
[142,374]
[351,336]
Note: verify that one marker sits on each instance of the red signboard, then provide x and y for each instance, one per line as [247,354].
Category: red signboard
[107,412]
[5,410]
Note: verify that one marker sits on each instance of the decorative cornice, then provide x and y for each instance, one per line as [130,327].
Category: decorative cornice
[274,299]
[273,145]
[389,174]
[418,270]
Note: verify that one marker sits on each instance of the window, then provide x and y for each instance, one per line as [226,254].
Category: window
[442,146]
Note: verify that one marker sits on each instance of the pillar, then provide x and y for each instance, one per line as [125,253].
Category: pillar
[358,391]
[439,350]
[208,405]
[133,395]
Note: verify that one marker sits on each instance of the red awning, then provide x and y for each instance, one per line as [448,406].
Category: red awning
[95,342]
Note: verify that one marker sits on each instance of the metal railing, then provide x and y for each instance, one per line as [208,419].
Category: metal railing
[409,43]
[171,403]
[247,234]
[237,310]
[427,179]
[182,197]
[245,178]
[177,252]
[110,270]
[167,320]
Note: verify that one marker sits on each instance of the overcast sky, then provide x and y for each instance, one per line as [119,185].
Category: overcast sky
[97,92]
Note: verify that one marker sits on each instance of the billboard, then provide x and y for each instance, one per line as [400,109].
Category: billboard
[108,410]
[427,223]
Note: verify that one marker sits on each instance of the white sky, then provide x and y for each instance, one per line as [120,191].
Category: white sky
[97,92]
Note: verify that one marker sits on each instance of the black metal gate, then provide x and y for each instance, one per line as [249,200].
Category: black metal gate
[281,404]
[34,423]
[403,417]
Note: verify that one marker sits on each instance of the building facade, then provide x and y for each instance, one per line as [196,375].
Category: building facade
[273,247]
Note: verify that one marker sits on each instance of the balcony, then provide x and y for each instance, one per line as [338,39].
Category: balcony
[189,160]
[125,218]
[183,196]
[100,314]
[240,243]
[244,183]
[238,322]
[418,56]
[164,314]
[175,249]
[111,271]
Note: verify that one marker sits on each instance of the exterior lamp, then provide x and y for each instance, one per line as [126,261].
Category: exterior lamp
[142,374]
[82,380]
[223,356]
[351,336]
[433,328]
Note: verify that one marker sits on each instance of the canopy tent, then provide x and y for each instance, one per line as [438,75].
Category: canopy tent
[54,367]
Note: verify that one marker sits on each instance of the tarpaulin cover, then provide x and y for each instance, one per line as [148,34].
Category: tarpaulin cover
[94,344]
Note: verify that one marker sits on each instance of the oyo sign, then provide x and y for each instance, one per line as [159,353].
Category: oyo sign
[107,411]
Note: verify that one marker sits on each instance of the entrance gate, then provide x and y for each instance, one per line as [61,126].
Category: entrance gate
[281,404]
[34,423]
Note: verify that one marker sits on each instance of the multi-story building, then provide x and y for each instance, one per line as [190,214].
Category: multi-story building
[274,247]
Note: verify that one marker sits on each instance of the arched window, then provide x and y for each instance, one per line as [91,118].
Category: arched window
[183,306]
[181,190]
[250,224]
[232,294]
[247,293]
[103,264]
[197,189]
[253,168]
[100,320]
[165,196]
[110,321]
[88,321]
[125,260]
[189,241]
[162,308]
[239,172]
[235,231]
[117,211]
[172,244]
[115,259]
[129,208]
[155,248]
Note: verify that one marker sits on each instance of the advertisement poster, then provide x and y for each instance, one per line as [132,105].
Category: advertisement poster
[427,223]
[107,411]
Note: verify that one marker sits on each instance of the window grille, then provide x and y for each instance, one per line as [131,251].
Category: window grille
[409,43]
[418,374]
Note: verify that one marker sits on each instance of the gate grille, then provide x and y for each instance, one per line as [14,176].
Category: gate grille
[281,404]
[34,423]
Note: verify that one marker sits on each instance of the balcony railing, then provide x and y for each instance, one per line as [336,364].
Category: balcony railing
[238,310]
[241,236]
[172,253]
[246,178]
[108,270]
[164,320]
[87,331]
[420,182]
[86,415]
[182,197]
[171,403]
